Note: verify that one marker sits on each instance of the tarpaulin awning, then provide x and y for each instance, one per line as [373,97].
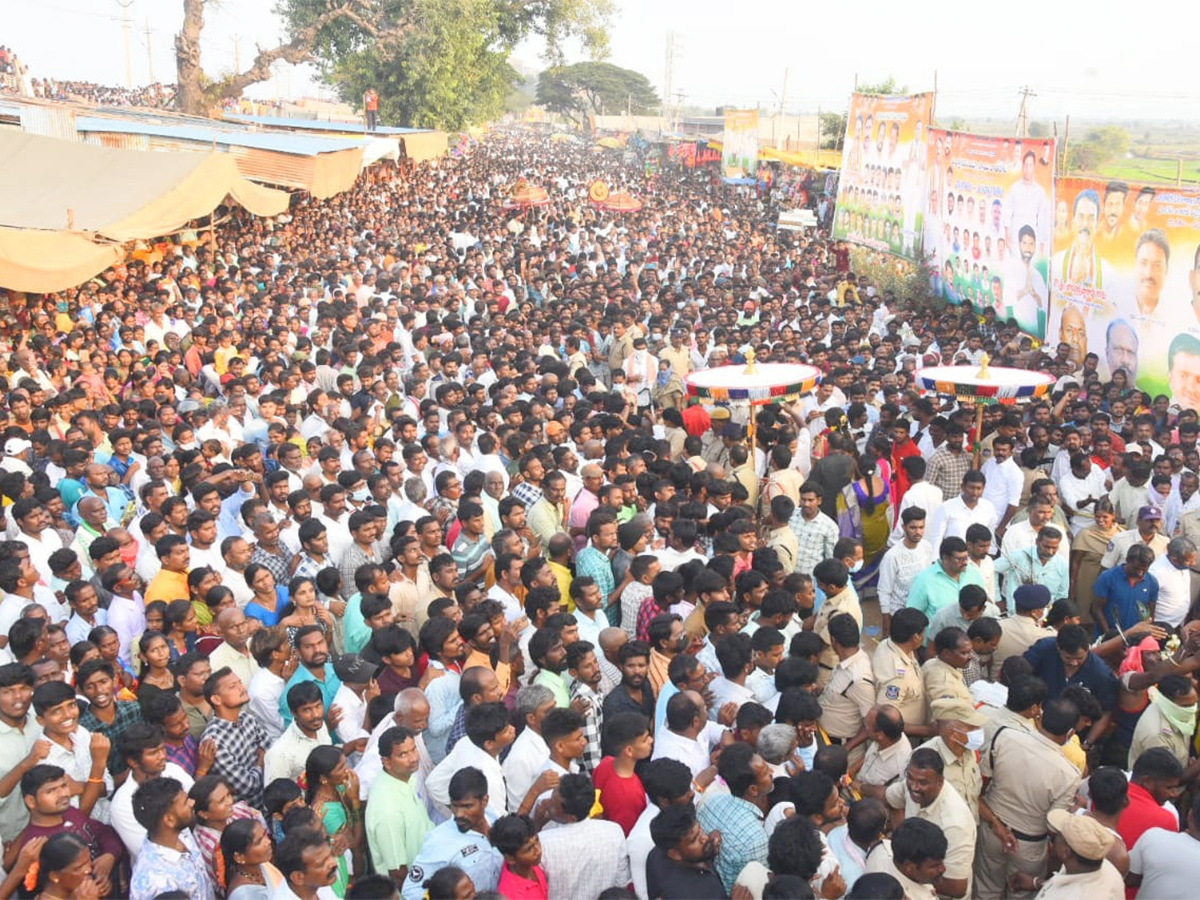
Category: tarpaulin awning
[65,204]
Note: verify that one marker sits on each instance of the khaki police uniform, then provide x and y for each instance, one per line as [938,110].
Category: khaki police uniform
[960,771]
[883,767]
[1153,730]
[847,699]
[1118,547]
[944,680]
[844,601]
[1029,776]
[949,812]
[898,682]
[1017,634]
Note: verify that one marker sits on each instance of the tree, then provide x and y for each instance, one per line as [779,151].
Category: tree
[1097,147]
[364,35]
[597,88]
[883,88]
[833,130]
[1038,129]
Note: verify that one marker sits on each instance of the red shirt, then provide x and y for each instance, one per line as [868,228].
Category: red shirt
[696,420]
[514,887]
[1142,814]
[623,798]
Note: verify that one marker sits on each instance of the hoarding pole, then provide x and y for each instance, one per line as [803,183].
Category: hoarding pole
[1066,145]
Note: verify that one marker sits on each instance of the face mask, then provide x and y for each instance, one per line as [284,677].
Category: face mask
[361,494]
[857,567]
[1182,718]
[975,739]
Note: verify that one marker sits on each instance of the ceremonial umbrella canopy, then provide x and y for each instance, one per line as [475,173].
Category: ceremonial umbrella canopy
[984,385]
[525,195]
[621,202]
[754,384]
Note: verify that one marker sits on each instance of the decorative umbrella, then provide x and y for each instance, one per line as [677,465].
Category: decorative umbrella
[525,195]
[621,202]
[984,386]
[753,384]
[598,191]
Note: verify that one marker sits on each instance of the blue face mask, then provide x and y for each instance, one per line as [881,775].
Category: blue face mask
[857,567]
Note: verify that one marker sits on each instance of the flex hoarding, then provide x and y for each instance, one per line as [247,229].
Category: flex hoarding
[739,155]
[988,225]
[881,194]
[1125,283]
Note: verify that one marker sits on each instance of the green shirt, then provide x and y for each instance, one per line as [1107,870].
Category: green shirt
[357,632]
[557,685]
[933,589]
[397,823]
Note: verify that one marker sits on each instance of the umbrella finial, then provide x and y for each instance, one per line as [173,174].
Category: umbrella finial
[983,366]
[750,366]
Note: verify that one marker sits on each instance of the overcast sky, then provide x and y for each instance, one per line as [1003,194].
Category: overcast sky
[1076,63]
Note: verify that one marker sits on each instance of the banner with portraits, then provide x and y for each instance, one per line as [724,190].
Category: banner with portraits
[739,156]
[988,224]
[1125,284]
[881,194]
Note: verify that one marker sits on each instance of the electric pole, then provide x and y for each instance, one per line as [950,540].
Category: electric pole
[782,102]
[669,77]
[149,52]
[126,27]
[1023,114]
[237,52]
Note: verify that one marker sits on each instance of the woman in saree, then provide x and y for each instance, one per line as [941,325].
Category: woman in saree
[865,512]
[1087,549]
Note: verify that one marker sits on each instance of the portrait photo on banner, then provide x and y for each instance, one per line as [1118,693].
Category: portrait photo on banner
[1125,284]
[988,224]
[881,194]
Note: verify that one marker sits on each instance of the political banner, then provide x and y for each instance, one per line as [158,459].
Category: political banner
[881,194]
[987,227]
[1125,285]
[739,155]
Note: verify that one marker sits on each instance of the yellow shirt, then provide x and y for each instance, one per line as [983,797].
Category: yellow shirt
[167,586]
[563,576]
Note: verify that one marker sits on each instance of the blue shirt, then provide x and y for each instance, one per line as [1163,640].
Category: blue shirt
[447,846]
[1094,674]
[161,869]
[743,837]
[1125,604]
[329,687]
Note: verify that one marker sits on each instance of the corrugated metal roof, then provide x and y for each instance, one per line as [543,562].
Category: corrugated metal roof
[316,125]
[279,142]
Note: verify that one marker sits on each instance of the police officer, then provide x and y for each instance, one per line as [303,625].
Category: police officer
[898,680]
[1025,776]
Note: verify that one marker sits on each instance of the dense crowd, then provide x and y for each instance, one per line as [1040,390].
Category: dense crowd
[377,549]
[149,96]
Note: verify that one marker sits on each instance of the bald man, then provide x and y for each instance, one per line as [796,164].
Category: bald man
[234,649]
[611,642]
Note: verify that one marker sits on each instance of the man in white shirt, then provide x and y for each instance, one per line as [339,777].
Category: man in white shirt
[273,656]
[957,514]
[902,562]
[126,611]
[529,752]
[920,493]
[143,748]
[667,782]
[488,733]
[287,756]
[234,650]
[1081,487]
[690,736]
[1173,572]
[1004,482]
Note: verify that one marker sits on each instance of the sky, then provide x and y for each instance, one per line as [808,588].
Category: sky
[981,61]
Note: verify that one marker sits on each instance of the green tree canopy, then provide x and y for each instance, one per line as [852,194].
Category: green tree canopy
[433,62]
[833,131]
[599,88]
[1097,147]
[882,88]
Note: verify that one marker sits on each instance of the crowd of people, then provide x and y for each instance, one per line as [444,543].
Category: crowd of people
[377,550]
[147,96]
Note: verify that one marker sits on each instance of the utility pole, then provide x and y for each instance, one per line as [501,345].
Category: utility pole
[669,77]
[1023,114]
[126,28]
[149,52]
[933,111]
[782,103]
[237,52]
